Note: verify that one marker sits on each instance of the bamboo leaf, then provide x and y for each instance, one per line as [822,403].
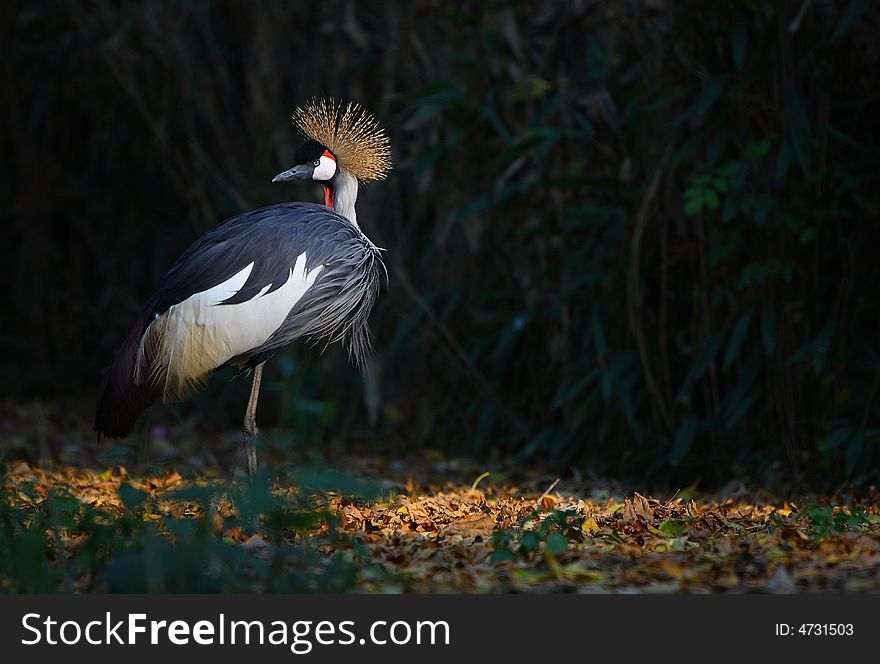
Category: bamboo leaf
[838,436]
[799,128]
[704,359]
[739,45]
[853,452]
[684,440]
[850,15]
[768,327]
[737,337]
[709,95]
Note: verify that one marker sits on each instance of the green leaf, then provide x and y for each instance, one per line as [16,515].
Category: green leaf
[529,541]
[704,359]
[691,145]
[730,210]
[843,137]
[768,327]
[503,556]
[799,128]
[758,149]
[610,375]
[570,390]
[693,206]
[836,437]
[556,543]
[808,235]
[741,397]
[738,45]
[673,527]
[816,350]
[131,497]
[496,122]
[850,15]
[711,198]
[823,345]
[783,159]
[853,452]
[684,439]
[737,337]
[710,94]
[598,334]
[742,407]
[759,273]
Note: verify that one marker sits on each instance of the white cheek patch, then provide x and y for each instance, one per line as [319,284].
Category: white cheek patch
[326,169]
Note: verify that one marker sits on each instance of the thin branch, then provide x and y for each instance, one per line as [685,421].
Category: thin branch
[634,298]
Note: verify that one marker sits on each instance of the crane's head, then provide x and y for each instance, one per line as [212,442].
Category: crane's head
[338,139]
[313,162]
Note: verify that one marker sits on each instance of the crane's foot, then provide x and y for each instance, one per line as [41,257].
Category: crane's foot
[246,464]
[250,449]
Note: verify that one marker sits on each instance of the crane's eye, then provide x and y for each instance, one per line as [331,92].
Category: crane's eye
[317,162]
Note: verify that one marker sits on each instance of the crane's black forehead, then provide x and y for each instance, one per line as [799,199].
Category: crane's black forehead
[308,151]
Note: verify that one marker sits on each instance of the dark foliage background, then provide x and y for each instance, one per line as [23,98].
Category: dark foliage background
[628,237]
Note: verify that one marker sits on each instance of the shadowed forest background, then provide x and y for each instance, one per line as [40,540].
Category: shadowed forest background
[635,239]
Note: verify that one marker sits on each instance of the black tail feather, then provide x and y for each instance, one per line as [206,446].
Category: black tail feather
[121,401]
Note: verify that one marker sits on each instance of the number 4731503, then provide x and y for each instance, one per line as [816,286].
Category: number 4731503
[815,629]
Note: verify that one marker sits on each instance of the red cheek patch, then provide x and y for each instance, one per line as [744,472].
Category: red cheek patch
[327,153]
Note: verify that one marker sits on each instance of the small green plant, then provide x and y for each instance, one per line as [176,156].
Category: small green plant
[550,534]
[821,519]
[829,518]
[57,543]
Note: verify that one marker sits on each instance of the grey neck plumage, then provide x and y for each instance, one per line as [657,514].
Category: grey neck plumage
[345,186]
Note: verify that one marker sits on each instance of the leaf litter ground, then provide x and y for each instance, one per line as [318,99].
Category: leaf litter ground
[499,537]
[74,519]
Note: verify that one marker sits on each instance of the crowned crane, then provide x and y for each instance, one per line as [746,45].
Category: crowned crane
[261,280]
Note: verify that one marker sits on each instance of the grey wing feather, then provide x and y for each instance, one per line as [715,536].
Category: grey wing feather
[338,305]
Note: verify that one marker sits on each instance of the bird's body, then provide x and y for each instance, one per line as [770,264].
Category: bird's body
[248,287]
[260,280]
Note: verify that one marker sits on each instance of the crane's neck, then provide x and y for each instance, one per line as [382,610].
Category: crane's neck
[341,194]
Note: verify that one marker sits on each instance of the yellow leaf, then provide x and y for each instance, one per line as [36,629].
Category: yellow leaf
[590,525]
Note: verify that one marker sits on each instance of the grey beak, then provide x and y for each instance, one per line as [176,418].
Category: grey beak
[300,172]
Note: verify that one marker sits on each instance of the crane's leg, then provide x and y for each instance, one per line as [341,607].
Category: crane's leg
[249,428]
